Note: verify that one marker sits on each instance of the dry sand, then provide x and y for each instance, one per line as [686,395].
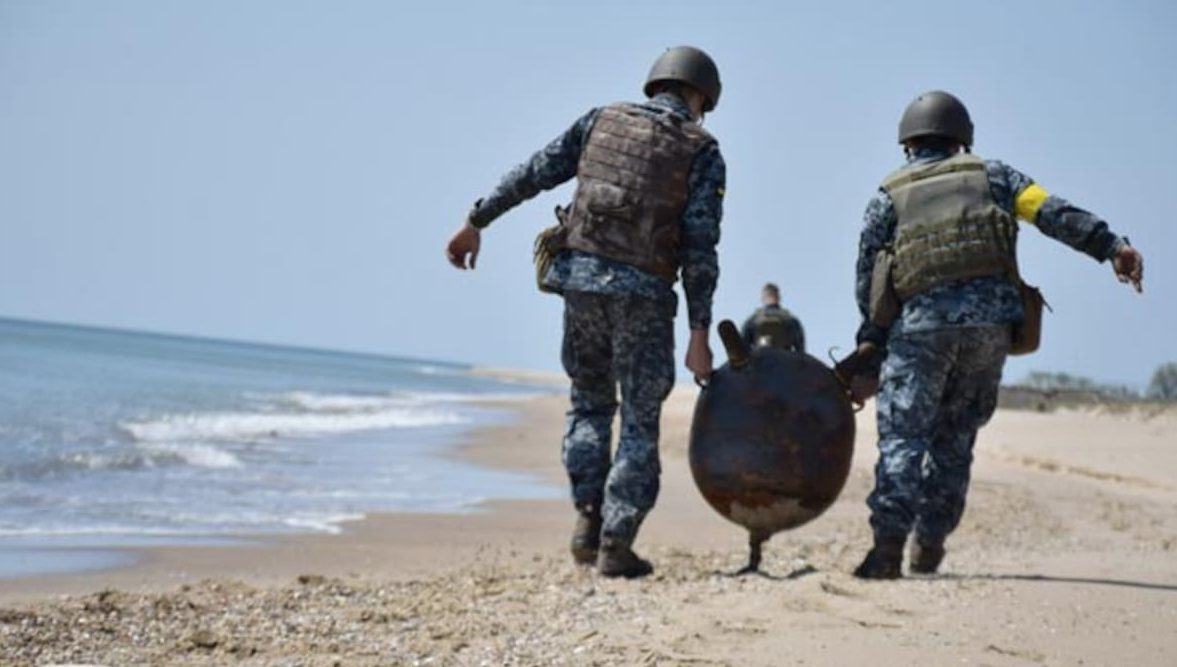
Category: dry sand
[1067,556]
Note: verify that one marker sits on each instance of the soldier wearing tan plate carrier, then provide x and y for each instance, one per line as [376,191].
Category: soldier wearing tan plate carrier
[940,292]
[647,207]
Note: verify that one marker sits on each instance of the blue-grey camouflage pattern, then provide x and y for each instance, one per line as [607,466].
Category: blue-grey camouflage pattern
[612,340]
[943,364]
[982,300]
[572,270]
[937,389]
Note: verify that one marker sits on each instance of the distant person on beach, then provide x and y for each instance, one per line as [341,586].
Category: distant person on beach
[773,326]
[648,203]
[940,294]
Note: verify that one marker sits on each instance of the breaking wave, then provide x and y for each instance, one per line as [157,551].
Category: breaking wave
[138,458]
[295,415]
[350,402]
[183,525]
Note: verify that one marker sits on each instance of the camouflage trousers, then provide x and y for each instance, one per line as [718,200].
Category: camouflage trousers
[938,388]
[612,340]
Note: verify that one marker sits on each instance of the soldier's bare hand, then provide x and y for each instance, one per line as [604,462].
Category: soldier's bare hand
[462,250]
[699,358]
[863,387]
[1129,266]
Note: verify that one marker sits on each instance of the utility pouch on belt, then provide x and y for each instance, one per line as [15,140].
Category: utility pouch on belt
[884,302]
[548,244]
[1027,335]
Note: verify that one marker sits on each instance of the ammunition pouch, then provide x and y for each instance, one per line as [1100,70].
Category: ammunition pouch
[884,301]
[931,255]
[1027,335]
[548,244]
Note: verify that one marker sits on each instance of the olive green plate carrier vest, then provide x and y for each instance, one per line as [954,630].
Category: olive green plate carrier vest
[949,228]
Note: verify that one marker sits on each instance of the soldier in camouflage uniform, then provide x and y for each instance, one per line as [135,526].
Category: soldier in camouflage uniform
[648,203]
[949,219]
[773,326]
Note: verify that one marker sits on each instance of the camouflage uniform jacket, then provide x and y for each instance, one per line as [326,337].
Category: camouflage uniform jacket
[584,272]
[981,301]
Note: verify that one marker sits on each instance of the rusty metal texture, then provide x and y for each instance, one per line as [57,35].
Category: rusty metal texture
[772,438]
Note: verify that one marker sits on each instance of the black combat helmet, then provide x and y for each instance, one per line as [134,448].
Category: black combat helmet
[937,114]
[688,65]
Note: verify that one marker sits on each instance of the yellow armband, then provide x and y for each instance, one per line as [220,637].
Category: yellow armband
[1028,202]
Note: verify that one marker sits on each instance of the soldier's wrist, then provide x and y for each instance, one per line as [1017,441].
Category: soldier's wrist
[478,217]
[1119,244]
[871,333]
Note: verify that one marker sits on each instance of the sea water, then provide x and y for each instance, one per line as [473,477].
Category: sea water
[113,438]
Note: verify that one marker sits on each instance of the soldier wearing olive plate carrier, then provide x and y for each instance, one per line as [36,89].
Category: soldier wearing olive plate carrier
[943,303]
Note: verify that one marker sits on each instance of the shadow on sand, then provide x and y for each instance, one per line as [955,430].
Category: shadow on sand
[1059,580]
[795,574]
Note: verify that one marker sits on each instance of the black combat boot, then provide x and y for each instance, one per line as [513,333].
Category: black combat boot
[926,555]
[586,537]
[617,559]
[884,561]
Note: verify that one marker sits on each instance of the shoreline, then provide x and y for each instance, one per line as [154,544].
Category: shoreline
[388,543]
[1067,555]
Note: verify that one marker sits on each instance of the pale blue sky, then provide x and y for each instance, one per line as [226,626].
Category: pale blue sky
[290,171]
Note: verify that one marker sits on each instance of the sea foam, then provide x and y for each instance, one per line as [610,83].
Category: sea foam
[294,415]
[155,455]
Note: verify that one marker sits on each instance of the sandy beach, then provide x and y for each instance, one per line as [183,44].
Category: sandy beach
[1067,556]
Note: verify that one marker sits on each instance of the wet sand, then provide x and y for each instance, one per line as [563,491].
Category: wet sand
[1067,556]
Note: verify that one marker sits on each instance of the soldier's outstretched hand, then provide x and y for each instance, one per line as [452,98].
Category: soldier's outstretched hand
[463,245]
[1129,266]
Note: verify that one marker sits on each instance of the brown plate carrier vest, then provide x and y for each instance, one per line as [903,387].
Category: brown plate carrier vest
[949,226]
[632,187]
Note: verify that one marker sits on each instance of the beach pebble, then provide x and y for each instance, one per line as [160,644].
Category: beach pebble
[203,639]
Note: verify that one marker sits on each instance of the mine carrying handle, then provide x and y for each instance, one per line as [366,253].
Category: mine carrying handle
[862,361]
[738,353]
